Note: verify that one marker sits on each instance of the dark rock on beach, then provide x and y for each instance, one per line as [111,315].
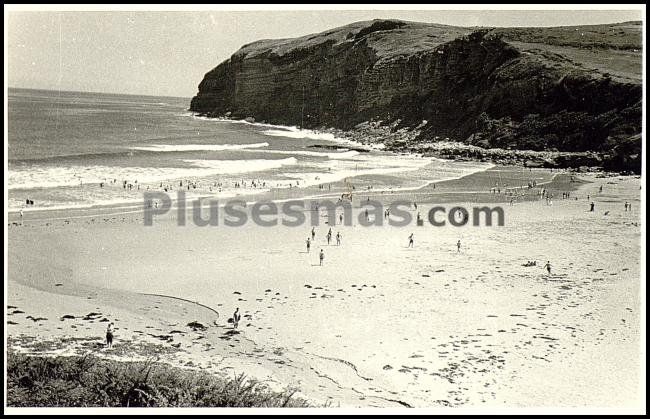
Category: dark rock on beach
[196,326]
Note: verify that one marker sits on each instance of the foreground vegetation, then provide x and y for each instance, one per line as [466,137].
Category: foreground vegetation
[89,381]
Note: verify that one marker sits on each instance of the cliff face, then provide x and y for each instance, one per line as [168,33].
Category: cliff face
[570,89]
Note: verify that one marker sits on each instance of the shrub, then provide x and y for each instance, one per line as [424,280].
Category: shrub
[89,381]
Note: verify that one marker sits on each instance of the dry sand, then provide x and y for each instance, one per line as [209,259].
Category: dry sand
[380,324]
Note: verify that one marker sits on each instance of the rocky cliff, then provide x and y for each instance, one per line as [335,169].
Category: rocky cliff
[565,89]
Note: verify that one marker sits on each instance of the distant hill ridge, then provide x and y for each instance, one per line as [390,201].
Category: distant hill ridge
[572,88]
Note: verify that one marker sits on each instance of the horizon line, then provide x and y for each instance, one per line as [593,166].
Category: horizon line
[95,92]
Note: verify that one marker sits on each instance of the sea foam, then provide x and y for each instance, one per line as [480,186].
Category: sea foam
[52,177]
[198,147]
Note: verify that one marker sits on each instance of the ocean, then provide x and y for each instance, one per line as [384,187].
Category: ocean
[72,149]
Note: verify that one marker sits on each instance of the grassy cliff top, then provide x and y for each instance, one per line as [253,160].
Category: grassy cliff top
[614,49]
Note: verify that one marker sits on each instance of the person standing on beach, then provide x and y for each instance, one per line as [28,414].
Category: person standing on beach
[592,205]
[458,246]
[21,214]
[329,237]
[338,238]
[313,233]
[411,240]
[235,318]
[308,244]
[109,335]
[321,256]
[548,266]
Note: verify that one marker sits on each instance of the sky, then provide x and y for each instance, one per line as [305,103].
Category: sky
[166,53]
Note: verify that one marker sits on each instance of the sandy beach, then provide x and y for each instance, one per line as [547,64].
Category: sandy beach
[379,324]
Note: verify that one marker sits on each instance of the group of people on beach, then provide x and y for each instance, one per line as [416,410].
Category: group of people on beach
[190,184]
[328,236]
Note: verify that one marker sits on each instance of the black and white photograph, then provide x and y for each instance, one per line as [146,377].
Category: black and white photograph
[341,209]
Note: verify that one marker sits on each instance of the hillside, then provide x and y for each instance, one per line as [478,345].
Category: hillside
[565,89]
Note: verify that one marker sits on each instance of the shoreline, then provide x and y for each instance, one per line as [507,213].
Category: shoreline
[268,195]
[368,137]
[306,194]
[375,135]
[278,195]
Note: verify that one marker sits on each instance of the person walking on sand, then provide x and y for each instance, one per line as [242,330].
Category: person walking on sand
[591,207]
[458,246]
[411,240]
[235,318]
[321,256]
[338,238]
[548,266]
[109,335]
[329,237]
[308,244]
[313,233]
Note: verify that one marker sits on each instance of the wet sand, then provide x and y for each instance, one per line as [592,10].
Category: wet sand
[380,324]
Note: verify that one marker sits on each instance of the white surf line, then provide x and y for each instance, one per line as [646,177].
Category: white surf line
[132,204]
[308,197]
[210,197]
[294,129]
